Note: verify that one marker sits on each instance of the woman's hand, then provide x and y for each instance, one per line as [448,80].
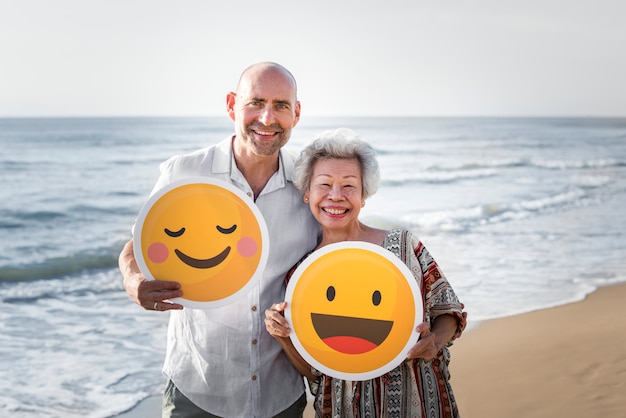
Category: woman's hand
[275,322]
[433,340]
[426,346]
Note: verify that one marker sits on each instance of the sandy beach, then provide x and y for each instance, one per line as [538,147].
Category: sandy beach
[568,361]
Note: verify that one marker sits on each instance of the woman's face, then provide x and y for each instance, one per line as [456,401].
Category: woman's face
[336,193]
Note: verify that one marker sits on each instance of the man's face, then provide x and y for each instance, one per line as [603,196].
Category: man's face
[265,110]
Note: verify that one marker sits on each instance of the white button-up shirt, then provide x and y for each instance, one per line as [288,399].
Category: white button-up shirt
[223,359]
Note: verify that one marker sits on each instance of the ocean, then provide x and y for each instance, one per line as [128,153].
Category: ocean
[520,213]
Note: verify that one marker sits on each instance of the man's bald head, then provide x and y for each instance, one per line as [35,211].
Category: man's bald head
[255,69]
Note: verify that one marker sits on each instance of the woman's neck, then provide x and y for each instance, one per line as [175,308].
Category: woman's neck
[361,232]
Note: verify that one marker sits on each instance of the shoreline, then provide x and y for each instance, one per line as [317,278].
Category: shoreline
[566,360]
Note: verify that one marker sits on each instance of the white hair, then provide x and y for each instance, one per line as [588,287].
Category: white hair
[341,143]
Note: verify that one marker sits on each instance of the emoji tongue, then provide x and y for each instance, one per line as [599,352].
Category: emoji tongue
[349,345]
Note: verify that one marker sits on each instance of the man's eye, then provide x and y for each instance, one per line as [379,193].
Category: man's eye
[175,234]
[227,230]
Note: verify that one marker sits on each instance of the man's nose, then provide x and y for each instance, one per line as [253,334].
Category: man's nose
[267,116]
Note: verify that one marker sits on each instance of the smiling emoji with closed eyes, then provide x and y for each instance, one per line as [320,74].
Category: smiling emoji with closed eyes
[205,234]
[353,309]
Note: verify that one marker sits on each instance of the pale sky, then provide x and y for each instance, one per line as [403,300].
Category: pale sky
[350,57]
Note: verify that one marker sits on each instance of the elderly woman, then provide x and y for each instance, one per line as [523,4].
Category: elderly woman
[336,173]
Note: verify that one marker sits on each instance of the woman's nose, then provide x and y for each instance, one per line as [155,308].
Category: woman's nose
[335,193]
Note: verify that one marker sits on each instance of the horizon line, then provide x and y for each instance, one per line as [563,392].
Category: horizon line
[451,116]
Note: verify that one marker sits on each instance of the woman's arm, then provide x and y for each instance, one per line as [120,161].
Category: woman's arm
[278,327]
[445,328]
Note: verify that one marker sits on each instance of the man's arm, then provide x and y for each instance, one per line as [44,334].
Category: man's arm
[149,294]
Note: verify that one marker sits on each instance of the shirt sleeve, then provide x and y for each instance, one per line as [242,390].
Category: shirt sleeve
[439,296]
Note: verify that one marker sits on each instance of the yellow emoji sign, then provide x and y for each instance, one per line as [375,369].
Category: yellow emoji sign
[205,234]
[353,308]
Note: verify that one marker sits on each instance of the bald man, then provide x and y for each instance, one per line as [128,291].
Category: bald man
[221,361]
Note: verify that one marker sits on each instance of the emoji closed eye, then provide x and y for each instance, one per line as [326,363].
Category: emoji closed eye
[227,230]
[175,234]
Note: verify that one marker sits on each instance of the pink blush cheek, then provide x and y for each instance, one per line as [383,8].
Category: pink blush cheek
[158,252]
[247,247]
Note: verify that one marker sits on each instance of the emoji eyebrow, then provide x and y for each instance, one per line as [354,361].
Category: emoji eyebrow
[227,230]
[175,234]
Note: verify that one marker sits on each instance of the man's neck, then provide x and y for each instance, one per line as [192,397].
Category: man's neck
[257,169]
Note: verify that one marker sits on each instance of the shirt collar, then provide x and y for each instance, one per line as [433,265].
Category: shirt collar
[224,162]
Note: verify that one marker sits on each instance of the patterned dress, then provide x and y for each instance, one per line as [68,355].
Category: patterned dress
[416,388]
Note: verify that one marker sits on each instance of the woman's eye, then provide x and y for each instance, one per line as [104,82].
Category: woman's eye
[175,234]
[227,230]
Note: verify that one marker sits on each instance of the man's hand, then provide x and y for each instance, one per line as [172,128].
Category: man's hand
[149,294]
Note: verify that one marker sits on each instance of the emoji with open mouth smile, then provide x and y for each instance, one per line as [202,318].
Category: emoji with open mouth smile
[353,308]
[205,234]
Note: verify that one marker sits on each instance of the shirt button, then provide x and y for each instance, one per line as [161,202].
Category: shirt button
[254,377]
[254,342]
[249,194]
[254,309]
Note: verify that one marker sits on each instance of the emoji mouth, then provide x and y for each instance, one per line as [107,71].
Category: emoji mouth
[350,335]
[203,264]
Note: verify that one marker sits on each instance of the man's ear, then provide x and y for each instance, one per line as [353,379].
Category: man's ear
[230,104]
[297,110]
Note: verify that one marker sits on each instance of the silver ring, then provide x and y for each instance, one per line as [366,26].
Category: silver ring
[155,306]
